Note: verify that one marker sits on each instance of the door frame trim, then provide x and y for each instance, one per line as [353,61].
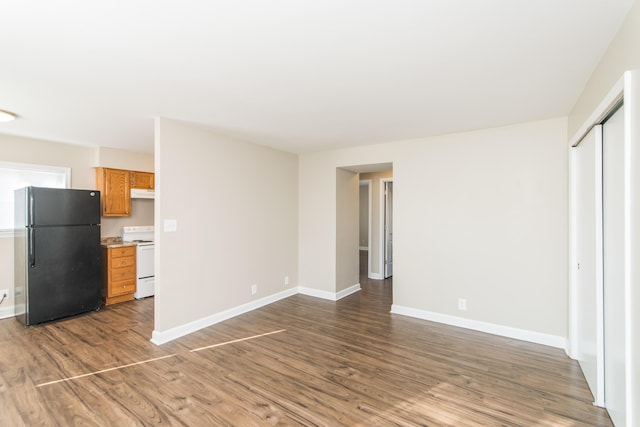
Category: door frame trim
[369,184]
[383,243]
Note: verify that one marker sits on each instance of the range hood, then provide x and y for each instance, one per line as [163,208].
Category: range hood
[141,193]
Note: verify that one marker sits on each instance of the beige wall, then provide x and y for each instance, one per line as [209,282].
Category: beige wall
[622,55]
[141,214]
[81,160]
[347,252]
[376,220]
[236,209]
[483,216]
[480,215]
[114,158]
[316,238]
[27,150]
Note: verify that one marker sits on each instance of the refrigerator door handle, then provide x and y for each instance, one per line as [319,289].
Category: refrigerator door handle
[32,247]
[31,210]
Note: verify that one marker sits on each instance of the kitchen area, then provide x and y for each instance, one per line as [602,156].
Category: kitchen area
[77,250]
[127,257]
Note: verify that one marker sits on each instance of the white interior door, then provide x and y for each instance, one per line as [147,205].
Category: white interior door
[613,185]
[388,229]
[588,169]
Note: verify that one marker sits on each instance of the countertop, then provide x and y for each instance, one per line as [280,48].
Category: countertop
[114,242]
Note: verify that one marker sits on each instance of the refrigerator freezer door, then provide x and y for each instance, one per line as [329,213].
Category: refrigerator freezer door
[54,206]
[65,278]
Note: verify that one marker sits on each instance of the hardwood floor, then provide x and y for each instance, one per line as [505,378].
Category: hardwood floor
[318,363]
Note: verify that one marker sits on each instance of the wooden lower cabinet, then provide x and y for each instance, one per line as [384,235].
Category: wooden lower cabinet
[119,270]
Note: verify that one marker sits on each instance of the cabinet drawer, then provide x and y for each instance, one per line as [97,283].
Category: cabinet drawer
[126,261]
[123,273]
[123,251]
[122,287]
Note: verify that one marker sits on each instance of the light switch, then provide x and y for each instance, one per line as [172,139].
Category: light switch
[170,225]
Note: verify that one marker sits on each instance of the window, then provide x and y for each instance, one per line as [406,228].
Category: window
[18,175]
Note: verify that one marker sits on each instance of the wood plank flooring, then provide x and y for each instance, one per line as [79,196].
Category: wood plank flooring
[319,363]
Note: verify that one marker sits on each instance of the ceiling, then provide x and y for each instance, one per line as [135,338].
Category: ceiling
[291,74]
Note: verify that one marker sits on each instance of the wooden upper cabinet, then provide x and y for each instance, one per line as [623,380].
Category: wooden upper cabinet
[115,191]
[142,180]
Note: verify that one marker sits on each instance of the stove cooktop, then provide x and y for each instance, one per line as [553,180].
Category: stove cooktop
[138,234]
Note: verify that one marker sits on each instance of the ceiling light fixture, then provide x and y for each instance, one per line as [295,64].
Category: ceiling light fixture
[6,116]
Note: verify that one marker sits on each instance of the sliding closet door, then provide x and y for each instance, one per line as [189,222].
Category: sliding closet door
[614,280]
[588,178]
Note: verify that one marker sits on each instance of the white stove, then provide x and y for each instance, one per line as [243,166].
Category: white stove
[143,236]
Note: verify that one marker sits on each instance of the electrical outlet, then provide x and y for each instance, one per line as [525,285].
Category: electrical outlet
[254,289]
[462,304]
[286,280]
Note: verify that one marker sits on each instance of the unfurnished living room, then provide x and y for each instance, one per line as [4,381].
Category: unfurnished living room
[320,213]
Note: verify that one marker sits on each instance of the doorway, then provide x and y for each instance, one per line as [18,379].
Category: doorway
[374,177]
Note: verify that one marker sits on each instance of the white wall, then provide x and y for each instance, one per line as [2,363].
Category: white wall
[480,215]
[236,206]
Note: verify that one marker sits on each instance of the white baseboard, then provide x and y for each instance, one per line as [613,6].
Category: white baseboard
[316,293]
[569,351]
[161,337]
[376,276]
[6,312]
[346,292]
[331,296]
[491,328]
[364,248]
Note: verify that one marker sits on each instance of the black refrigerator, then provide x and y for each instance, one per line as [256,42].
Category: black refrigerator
[57,253]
